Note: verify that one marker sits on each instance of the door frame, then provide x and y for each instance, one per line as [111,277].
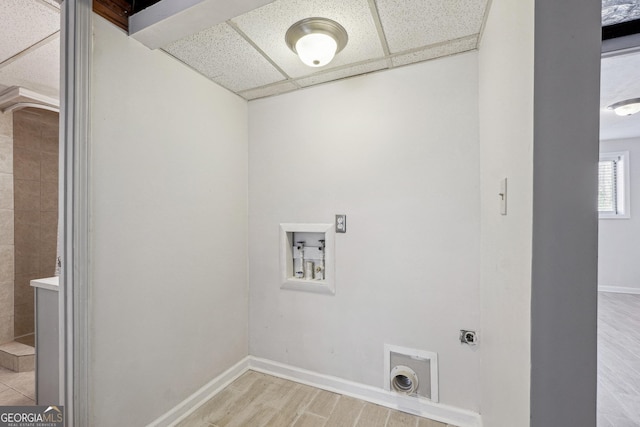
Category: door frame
[75,60]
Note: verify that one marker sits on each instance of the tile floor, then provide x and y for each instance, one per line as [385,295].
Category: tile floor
[259,400]
[17,388]
[618,360]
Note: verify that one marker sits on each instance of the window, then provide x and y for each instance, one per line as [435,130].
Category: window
[613,185]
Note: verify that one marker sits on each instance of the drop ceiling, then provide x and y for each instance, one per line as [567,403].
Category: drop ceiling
[30,45]
[247,54]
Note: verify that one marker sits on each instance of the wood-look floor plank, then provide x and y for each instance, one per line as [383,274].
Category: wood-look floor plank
[241,403]
[293,407]
[279,393]
[194,422]
[310,420]
[256,416]
[323,404]
[260,400]
[346,412]
[423,422]
[401,419]
[373,416]
[245,381]
[214,407]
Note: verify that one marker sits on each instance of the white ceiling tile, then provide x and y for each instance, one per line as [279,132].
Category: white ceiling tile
[224,56]
[274,89]
[343,73]
[431,52]
[268,25]
[24,23]
[38,71]
[410,24]
[51,3]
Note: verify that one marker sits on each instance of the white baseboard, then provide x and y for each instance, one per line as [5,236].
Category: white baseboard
[417,406]
[619,289]
[193,402]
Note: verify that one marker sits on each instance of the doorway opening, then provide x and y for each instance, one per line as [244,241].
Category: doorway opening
[619,223]
[29,187]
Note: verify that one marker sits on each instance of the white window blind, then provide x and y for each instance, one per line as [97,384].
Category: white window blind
[607,199]
[613,185]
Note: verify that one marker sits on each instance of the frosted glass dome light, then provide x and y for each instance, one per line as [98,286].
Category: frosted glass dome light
[316,40]
[626,107]
[316,49]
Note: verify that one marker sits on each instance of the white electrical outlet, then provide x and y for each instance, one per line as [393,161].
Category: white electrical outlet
[341,223]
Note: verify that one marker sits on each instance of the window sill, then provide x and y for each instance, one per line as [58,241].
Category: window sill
[626,216]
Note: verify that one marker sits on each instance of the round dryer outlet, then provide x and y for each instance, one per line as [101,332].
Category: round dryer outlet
[404,380]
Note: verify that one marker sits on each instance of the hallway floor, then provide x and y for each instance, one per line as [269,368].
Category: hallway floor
[17,388]
[260,400]
[618,360]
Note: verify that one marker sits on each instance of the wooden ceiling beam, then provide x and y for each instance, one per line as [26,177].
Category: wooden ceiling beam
[114,11]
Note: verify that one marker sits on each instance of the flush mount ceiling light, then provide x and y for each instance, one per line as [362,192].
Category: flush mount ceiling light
[316,40]
[626,107]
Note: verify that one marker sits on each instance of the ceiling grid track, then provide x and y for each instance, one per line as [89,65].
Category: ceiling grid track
[383,39]
[388,57]
[45,41]
[52,5]
[261,52]
[432,46]
[320,73]
[248,53]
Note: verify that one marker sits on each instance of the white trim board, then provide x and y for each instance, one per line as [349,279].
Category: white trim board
[416,406]
[185,408]
[18,94]
[619,289]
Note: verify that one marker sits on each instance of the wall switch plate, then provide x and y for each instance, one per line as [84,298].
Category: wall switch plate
[503,196]
[341,223]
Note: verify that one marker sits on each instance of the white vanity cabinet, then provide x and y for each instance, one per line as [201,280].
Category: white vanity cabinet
[47,341]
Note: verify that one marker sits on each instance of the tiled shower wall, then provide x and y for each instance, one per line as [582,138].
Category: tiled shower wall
[35,185]
[6,227]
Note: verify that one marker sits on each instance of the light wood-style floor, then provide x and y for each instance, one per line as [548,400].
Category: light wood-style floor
[618,360]
[259,400]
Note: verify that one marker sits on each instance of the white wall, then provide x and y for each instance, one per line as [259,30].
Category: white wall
[618,249]
[169,231]
[506,150]
[397,152]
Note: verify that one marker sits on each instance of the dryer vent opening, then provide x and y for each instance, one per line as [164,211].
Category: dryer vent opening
[404,379]
[411,372]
